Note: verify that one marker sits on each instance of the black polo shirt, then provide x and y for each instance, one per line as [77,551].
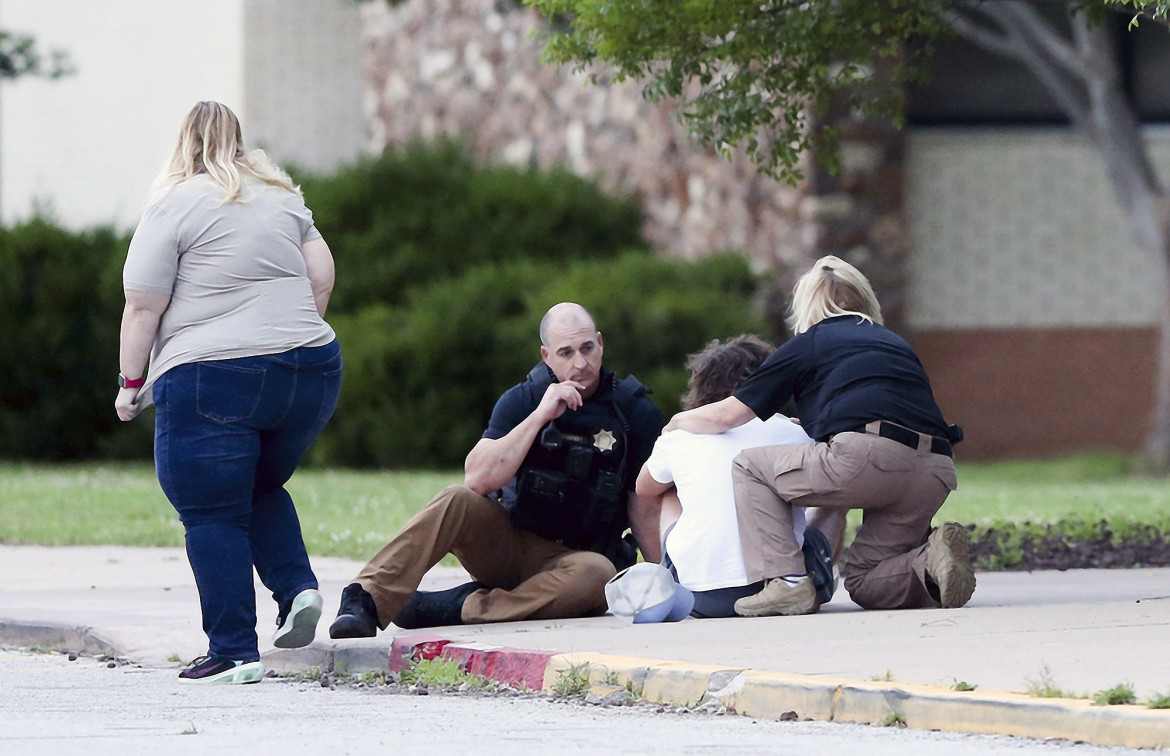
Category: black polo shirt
[842,373]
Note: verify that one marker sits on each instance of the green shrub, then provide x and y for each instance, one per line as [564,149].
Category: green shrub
[60,309]
[428,212]
[444,268]
[1068,543]
[421,380]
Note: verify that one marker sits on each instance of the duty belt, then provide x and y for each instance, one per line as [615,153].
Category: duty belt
[906,437]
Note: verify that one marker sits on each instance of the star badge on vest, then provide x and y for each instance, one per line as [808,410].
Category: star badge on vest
[604,440]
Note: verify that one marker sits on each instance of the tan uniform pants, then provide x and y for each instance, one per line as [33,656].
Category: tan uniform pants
[899,489]
[528,577]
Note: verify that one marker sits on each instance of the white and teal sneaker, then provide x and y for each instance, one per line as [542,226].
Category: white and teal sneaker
[300,625]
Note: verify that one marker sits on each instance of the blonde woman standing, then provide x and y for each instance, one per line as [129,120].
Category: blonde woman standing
[881,445]
[226,282]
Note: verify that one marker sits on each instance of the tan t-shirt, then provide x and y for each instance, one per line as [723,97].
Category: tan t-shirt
[234,272]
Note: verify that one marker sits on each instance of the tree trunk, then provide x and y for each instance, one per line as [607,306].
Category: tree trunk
[1113,127]
[1146,219]
[1082,75]
[1155,455]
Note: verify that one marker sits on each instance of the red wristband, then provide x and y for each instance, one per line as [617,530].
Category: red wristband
[124,382]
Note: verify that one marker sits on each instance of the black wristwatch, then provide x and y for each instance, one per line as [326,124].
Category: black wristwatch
[124,382]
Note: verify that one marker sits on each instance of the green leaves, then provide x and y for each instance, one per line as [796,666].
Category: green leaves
[424,212]
[421,377]
[1156,10]
[60,305]
[747,74]
[444,269]
[19,56]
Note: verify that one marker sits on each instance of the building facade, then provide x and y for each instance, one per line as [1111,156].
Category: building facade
[987,226]
[84,149]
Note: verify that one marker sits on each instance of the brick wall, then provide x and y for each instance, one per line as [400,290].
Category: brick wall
[1031,392]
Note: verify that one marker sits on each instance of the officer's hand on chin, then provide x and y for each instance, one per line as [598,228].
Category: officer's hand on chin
[559,397]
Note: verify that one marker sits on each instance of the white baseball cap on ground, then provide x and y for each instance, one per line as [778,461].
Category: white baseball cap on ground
[647,592]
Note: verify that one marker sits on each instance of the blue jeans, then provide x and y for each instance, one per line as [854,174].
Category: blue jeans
[228,435]
[716,602]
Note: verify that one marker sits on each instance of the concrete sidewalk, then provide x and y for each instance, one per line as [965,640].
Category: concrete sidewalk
[1090,629]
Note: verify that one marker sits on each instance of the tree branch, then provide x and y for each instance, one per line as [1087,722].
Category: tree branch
[1032,24]
[1000,44]
[1117,130]
[1067,89]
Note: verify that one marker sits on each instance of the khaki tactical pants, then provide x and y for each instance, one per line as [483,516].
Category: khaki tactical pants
[528,577]
[899,489]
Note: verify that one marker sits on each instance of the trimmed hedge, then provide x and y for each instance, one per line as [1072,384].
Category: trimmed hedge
[1069,544]
[421,380]
[444,268]
[427,212]
[60,307]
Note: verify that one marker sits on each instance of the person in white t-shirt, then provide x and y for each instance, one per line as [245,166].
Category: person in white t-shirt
[691,475]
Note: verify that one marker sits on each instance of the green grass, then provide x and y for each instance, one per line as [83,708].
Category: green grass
[311,674]
[343,513]
[373,677]
[1159,701]
[443,673]
[1119,694]
[1044,685]
[1090,487]
[353,513]
[573,681]
[1087,487]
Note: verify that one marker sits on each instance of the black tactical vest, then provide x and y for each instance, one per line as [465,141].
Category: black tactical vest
[571,486]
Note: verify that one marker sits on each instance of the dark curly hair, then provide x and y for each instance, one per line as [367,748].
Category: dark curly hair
[722,366]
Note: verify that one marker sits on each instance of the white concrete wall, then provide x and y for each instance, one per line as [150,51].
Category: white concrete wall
[1015,228]
[304,85]
[85,149]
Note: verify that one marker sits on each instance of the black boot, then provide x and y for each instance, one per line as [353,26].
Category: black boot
[357,617]
[436,608]
[818,563]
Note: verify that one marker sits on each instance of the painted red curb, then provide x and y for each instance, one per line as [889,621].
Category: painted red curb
[411,648]
[504,664]
[511,666]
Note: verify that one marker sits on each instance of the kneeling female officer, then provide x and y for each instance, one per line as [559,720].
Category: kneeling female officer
[882,446]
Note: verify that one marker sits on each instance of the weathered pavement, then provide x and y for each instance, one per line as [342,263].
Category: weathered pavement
[1080,631]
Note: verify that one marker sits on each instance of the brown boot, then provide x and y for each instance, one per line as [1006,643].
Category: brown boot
[778,597]
[948,564]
